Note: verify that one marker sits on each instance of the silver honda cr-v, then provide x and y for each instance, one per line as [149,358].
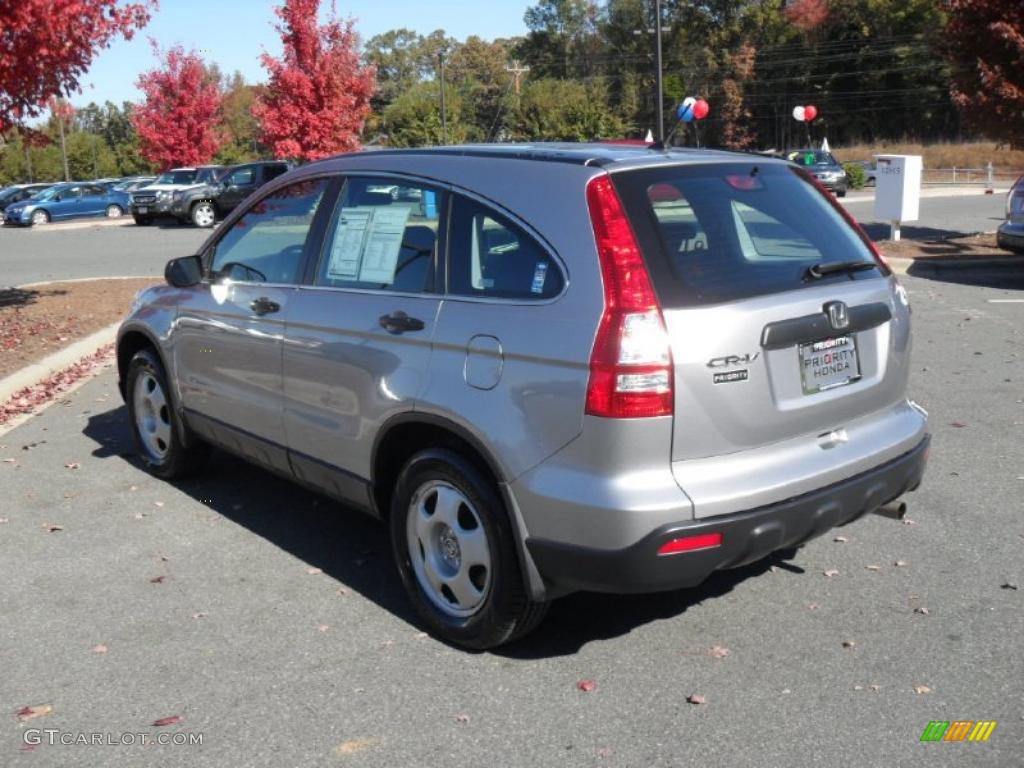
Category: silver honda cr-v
[548,368]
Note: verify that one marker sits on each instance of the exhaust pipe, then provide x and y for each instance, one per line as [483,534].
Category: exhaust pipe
[894,510]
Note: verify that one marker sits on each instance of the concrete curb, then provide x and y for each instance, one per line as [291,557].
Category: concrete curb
[36,372]
[40,284]
[936,265]
[861,196]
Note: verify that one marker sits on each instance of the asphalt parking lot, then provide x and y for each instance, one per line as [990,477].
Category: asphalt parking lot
[272,623]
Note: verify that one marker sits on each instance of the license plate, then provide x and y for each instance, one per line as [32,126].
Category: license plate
[828,364]
[143,209]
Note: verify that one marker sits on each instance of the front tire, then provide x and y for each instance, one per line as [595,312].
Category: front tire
[455,551]
[156,425]
[40,218]
[114,211]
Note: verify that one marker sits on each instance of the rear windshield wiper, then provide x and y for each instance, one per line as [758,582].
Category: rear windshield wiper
[817,271]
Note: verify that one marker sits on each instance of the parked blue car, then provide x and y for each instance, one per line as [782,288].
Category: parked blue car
[69,200]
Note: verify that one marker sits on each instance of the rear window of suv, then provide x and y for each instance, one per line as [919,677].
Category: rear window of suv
[713,233]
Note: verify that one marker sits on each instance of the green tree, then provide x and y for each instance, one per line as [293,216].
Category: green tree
[566,110]
[413,119]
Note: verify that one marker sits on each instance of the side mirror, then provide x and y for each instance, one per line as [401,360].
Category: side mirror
[58,198]
[184,272]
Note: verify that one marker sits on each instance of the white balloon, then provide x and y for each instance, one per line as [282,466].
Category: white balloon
[798,113]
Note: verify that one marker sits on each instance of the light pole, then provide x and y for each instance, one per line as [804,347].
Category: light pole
[444,109]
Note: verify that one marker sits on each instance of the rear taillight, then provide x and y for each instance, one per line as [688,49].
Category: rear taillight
[630,364]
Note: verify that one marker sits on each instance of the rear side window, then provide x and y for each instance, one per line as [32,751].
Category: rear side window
[718,233]
[489,256]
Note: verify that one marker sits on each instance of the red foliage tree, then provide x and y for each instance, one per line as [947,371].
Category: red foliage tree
[180,121]
[807,14]
[47,45]
[319,92]
[985,44]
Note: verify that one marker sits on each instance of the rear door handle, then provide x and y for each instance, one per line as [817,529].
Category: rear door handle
[399,322]
[264,306]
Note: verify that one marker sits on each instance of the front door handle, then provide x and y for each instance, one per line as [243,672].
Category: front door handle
[264,306]
[399,322]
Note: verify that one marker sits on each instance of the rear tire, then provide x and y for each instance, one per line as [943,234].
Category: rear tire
[463,574]
[203,215]
[156,425]
[114,211]
[841,193]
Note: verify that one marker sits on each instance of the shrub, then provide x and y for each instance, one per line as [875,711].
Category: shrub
[855,175]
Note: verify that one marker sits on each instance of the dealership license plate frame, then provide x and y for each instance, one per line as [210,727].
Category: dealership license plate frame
[813,384]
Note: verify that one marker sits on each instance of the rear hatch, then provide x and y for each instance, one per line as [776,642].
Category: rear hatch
[782,322]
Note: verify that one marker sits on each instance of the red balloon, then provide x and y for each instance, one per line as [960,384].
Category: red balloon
[701,109]
[810,112]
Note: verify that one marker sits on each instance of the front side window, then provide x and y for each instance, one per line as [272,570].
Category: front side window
[382,237]
[491,257]
[268,242]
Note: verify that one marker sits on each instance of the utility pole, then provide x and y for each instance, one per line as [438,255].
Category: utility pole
[659,95]
[517,72]
[63,147]
[444,108]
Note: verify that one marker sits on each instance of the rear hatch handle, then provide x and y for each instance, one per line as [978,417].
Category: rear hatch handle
[803,330]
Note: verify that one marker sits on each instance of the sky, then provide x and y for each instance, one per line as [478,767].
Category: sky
[233,33]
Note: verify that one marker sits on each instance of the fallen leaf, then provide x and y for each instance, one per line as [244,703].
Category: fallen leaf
[832,572]
[908,521]
[858,687]
[462,718]
[323,627]
[901,563]
[36,710]
[158,503]
[786,691]
[99,648]
[873,567]
[922,610]
[957,424]
[352,746]
[164,558]
[586,685]
[10,461]
[139,515]
[1008,585]
[72,465]
[840,539]
[157,580]
[922,689]
[198,615]
[170,720]
[133,488]
[696,698]
[341,591]
[51,527]
[875,687]
[718,652]
[849,643]
[812,606]
[314,571]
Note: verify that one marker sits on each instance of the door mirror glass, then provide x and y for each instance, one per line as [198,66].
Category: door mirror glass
[184,272]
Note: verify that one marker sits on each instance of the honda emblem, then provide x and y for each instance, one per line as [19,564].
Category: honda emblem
[838,315]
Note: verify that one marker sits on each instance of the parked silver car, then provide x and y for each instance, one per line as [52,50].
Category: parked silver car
[551,368]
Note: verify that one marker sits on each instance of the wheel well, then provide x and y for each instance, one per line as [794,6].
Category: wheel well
[130,343]
[404,440]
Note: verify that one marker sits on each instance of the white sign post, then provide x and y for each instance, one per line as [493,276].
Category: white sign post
[898,190]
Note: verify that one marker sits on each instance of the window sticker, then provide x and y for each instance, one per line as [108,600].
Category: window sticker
[383,242]
[540,274]
[347,248]
[367,242]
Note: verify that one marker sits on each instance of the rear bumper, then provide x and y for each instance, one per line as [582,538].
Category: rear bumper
[746,536]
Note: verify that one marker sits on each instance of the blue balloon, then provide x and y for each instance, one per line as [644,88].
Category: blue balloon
[685,111]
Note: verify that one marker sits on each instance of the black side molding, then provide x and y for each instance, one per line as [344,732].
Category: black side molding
[801,330]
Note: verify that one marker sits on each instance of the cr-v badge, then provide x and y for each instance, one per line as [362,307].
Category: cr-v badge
[730,360]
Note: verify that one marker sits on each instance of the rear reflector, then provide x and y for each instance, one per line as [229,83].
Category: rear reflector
[691,543]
